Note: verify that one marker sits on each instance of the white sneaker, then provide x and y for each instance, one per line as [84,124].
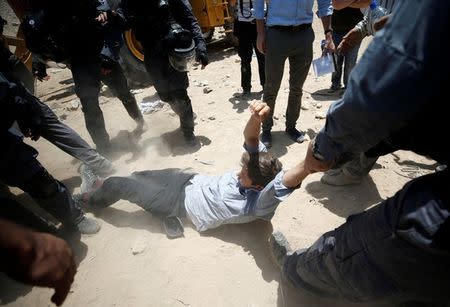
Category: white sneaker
[340,177]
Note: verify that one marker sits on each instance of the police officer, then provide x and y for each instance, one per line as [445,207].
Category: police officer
[154,24]
[52,129]
[19,166]
[73,32]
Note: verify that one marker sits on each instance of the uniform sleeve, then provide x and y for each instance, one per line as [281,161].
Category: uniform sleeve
[395,80]
[182,11]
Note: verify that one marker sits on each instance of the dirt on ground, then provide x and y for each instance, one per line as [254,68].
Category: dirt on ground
[131,262]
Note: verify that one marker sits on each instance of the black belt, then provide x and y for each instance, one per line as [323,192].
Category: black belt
[293,28]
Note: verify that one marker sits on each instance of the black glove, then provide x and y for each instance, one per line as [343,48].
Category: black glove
[39,70]
[30,116]
[201,56]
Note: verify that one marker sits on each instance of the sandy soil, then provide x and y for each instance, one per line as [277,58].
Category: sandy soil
[131,262]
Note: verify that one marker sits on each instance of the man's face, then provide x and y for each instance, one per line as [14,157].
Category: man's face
[243,178]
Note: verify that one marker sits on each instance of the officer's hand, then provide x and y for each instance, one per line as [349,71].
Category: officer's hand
[40,71]
[350,40]
[202,57]
[102,18]
[38,259]
[32,120]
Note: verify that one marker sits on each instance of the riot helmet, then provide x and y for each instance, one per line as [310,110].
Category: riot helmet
[181,48]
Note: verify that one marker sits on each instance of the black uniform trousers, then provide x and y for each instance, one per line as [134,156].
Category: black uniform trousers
[397,250]
[247,34]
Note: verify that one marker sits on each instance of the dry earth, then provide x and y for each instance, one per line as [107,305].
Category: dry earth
[130,262]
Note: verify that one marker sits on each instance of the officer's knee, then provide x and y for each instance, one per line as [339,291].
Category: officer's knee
[165,96]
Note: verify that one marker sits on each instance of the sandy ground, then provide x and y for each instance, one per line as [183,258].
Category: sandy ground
[131,262]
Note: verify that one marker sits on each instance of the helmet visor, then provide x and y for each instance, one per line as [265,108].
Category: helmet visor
[182,59]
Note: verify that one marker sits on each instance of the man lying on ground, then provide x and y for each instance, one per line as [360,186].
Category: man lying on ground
[208,201]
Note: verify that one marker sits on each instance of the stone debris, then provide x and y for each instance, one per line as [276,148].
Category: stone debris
[139,245]
[137,91]
[207,90]
[320,115]
[73,105]
[148,107]
[318,105]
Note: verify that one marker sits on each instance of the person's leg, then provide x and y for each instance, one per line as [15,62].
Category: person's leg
[171,86]
[86,76]
[147,194]
[20,72]
[19,168]
[350,62]
[245,52]
[276,54]
[69,141]
[117,82]
[337,75]
[397,249]
[260,57]
[299,62]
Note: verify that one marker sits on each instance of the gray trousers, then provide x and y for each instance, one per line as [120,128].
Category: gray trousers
[66,139]
[297,47]
[398,250]
[160,192]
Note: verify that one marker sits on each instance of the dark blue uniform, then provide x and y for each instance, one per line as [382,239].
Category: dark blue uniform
[70,33]
[18,164]
[150,24]
[399,249]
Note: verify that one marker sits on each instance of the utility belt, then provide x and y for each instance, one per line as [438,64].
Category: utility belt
[292,28]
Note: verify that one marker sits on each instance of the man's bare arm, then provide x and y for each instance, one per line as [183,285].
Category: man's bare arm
[259,112]
[358,4]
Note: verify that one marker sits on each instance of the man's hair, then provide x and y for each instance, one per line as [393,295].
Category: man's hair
[262,167]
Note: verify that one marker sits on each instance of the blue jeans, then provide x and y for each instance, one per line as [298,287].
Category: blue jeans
[397,250]
[346,61]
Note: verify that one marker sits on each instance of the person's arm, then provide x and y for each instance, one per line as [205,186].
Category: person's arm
[325,10]
[259,112]
[182,11]
[390,86]
[358,4]
[37,259]
[259,14]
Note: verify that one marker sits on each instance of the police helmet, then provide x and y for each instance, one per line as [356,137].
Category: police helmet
[181,49]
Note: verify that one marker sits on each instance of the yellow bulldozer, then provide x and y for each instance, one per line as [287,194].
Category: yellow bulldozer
[209,13]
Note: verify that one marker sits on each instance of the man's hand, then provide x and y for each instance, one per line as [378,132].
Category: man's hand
[261,42]
[350,40]
[37,259]
[314,165]
[259,110]
[102,18]
[40,71]
[329,44]
[380,22]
